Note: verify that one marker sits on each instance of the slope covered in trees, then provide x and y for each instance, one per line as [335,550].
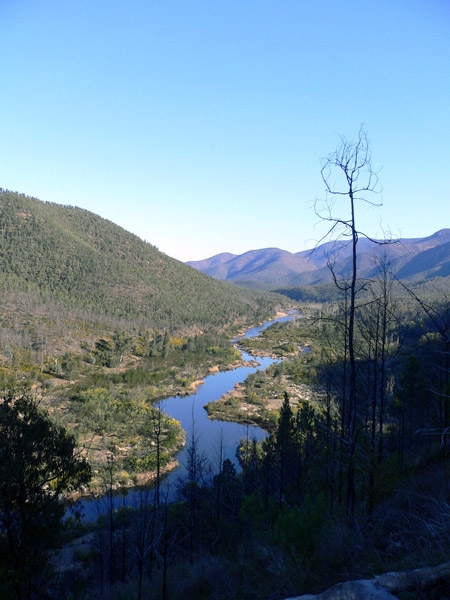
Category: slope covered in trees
[104,325]
[72,256]
[352,479]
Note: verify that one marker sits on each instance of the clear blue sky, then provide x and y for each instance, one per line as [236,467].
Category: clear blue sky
[201,125]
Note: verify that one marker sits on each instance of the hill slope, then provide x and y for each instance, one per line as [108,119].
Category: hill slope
[272,268]
[74,257]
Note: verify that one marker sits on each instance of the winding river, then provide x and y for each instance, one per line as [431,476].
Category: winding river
[212,436]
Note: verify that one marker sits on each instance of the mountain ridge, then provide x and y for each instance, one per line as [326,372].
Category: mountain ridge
[274,268]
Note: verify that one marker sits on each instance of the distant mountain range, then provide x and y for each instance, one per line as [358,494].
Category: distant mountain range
[273,269]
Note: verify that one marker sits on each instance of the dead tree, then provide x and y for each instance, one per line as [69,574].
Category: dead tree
[348,174]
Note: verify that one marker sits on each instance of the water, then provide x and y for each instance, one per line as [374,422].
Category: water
[214,438]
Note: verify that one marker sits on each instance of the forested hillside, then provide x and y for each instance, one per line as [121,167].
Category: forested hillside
[96,326]
[351,481]
[71,256]
[90,312]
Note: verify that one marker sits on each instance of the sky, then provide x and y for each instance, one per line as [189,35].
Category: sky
[201,125]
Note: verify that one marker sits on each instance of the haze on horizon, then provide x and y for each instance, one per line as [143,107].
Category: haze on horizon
[200,126]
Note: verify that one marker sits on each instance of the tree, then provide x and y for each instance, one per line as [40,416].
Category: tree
[196,464]
[284,444]
[143,526]
[308,448]
[438,321]
[347,173]
[379,342]
[38,464]
[157,435]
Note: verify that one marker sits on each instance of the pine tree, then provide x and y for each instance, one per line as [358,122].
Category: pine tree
[285,445]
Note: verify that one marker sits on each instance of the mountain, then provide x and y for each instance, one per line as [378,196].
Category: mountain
[256,268]
[62,255]
[271,268]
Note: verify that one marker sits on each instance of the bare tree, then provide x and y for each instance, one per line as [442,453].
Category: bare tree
[143,526]
[348,174]
[378,325]
[196,466]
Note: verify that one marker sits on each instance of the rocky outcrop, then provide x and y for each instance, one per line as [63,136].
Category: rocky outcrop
[383,587]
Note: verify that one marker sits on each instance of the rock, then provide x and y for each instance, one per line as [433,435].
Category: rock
[352,590]
[381,586]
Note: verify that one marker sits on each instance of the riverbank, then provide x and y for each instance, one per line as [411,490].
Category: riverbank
[261,409]
[194,385]
[187,410]
[140,480]
[258,400]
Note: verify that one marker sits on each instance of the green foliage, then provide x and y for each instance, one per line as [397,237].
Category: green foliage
[149,462]
[87,303]
[132,336]
[297,372]
[109,406]
[97,407]
[327,293]
[297,530]
[323,292]
[286,339]
[258,512]
[80,260]
[124,419]
[38,464]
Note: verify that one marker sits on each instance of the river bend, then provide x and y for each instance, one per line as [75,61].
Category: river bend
[212,436]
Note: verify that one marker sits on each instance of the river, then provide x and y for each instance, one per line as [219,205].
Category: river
[212,436]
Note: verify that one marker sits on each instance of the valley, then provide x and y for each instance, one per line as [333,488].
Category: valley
[105,342]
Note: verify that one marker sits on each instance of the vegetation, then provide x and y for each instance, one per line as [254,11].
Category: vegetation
[71,258]
[259,398]
[285,513]
[106,325]
[38,463]
[351,480]
[112,404]
[327,292]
